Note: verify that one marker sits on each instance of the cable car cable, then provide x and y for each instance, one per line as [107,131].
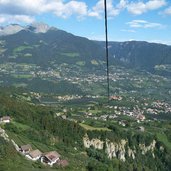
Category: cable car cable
[107,50]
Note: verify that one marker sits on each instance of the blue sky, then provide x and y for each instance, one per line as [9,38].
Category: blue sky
[145,20]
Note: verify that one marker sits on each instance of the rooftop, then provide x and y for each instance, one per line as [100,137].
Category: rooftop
[35,153]
[53,155]
[26,147]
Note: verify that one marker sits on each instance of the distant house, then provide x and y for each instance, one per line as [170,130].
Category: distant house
[116,98]
[123,123]
[140,117]
[5,119]
[141,128]
[25,149]
[50,158]
[34,155]
[64,117]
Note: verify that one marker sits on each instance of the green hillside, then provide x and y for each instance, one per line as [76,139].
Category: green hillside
[40,127]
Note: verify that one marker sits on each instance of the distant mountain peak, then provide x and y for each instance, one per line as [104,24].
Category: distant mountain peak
[38,27]
[10,29]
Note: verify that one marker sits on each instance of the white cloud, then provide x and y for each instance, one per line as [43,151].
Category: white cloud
[136,23]
[135,8]
[97,37]
[167,42]
[167,11]
[16,18]
[22,18]
[141,7]
[24,10]
[98,9]
[23,7]
[126,30]
[122,4]
[29,8]
[70,8]
[144,24]
[2,19]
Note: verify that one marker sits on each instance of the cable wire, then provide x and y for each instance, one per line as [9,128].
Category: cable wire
[107,50]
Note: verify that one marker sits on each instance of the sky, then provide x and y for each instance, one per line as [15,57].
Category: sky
[141,20]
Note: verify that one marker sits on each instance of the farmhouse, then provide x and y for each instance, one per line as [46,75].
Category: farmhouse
[5,119]
[34,155]
[116,98]
[25,149]
[140,117]
[50,158]
[123,123]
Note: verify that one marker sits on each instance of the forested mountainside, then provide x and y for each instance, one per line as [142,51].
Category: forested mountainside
[114,148]
[54,45]
[42,45]
[139,54]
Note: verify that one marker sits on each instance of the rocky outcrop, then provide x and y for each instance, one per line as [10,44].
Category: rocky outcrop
[112,149]
[38,27]
[3,134]
[131,153]
[96,143]
[118,149]
[151,148]
[10,29]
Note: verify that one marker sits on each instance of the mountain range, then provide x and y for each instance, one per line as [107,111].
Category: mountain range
[40,44]
[15,28]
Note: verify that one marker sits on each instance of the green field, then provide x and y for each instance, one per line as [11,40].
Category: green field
[88,127]
[21,48]
[20,76]
[94,62]
[81,63]
[71,54]
[20,85]
[20,126]
[28,55]
[163,138]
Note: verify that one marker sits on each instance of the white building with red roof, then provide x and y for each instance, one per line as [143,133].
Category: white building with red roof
[50,158]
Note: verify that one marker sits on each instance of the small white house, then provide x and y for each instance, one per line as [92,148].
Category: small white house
[140,117]
[50,158]
[5,119]
[26,149]
[34,155]
[123,123]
